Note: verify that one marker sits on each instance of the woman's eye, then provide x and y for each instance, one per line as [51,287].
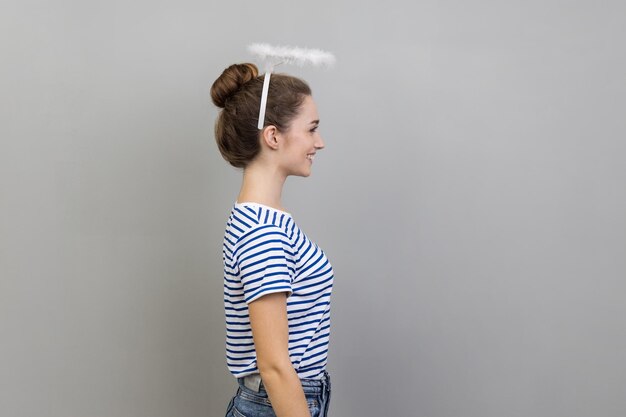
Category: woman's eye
[314,129]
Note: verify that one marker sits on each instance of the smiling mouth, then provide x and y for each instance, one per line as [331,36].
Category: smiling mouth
[310,157]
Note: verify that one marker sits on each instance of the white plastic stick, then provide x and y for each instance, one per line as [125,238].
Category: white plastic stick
[266,87]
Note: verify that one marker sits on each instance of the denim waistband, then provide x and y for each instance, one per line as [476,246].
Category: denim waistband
[309,386]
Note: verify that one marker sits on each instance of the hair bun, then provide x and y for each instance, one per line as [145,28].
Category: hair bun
[231,80]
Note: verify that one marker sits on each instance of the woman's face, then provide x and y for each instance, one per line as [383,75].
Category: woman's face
[302,140]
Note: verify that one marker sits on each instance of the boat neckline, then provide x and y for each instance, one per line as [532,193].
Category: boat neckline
[253,203]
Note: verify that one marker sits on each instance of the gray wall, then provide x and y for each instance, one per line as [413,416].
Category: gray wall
[470,197]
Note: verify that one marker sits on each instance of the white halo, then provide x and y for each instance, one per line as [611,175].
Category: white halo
[274,55]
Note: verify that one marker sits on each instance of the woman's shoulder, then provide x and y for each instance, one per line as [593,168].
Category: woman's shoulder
[249,217]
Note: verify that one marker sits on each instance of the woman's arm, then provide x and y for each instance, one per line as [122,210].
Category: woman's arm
[270,332]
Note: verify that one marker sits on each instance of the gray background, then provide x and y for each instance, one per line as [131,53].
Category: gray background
[470,197]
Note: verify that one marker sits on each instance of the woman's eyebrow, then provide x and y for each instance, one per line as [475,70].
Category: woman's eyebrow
[315,122]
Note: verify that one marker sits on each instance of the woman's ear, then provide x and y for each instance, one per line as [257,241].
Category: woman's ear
[269,136]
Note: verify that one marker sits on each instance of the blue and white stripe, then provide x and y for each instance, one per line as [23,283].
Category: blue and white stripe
[264,252]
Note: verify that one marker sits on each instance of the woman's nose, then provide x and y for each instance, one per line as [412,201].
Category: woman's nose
[320,143]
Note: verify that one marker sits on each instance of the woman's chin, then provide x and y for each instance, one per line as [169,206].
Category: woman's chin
[305,172]
[302,172]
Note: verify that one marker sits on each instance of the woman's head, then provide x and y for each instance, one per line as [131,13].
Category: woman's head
[238,92]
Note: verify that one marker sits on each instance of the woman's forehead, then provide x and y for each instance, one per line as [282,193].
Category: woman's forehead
[308,111]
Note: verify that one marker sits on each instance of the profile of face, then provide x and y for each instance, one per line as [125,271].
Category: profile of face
[301,141]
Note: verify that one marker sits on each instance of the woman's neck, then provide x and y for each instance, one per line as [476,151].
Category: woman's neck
[262,184]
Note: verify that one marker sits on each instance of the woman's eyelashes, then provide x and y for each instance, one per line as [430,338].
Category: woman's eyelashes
[314,129]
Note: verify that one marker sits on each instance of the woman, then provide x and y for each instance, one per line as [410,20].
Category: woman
[277,282]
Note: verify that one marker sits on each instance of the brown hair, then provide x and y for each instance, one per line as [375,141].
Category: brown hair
[238,92]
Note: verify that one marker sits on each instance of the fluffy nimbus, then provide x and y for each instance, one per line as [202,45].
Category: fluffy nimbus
[274,55]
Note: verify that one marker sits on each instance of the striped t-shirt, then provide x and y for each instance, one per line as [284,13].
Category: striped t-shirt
[265,252]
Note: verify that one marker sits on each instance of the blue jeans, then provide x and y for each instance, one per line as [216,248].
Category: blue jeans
[249,403]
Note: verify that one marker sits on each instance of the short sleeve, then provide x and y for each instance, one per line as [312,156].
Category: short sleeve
[265,261]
